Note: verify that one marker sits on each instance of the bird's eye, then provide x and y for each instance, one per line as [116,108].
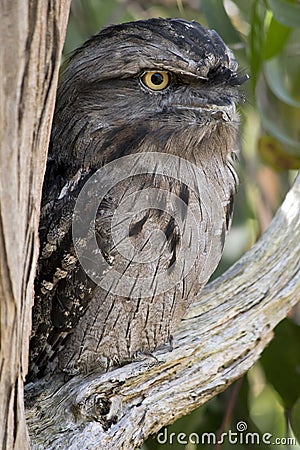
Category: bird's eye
[157,80]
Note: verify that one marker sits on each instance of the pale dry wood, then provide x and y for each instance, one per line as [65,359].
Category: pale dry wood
[223,335]
[32,36]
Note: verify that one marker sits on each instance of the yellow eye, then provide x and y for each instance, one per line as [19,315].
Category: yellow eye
[157,80]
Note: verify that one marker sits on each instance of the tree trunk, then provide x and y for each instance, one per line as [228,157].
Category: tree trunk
[32,35]
[223,335]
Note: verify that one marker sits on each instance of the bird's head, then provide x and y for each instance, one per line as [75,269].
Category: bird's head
[155,78]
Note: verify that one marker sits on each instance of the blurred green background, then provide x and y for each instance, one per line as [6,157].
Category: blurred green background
[265,37]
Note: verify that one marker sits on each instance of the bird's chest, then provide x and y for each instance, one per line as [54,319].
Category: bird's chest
[158,231]
[162,239]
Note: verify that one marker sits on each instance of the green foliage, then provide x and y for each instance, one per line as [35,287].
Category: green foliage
[218,19]
[286,12]
[282,367]
[276,38]
[273,153]
[256,40]
[295,419]
[265,37]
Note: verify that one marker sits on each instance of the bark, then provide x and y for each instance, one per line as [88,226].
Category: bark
[223,335]
[32,35]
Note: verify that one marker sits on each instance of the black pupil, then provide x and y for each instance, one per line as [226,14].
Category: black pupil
[157,79]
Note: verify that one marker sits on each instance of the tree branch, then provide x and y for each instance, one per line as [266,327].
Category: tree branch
[223,335]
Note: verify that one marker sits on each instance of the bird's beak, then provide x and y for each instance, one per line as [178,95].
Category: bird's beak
[223,112]
[226,112]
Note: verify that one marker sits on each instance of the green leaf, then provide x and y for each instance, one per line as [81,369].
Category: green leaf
[276,77]
[244,8]
[256,40]
[274,154]
[270,126]
[278,108]
[218,19]
[277,36]
[295,419]
[286,12]
[281,362]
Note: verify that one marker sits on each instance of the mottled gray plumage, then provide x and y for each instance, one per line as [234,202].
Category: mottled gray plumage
[105,111]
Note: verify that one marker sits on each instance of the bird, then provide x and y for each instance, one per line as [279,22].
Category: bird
[142,147]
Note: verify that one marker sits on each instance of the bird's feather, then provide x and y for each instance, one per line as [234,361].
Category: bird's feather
[103,114]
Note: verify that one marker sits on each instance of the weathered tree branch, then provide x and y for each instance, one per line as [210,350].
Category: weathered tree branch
[32,36]
[221,338]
